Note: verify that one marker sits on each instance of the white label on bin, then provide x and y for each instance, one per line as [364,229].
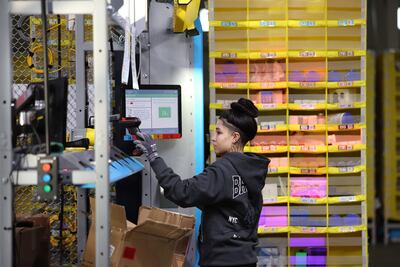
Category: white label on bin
[267,106]
[307,23]
[228,24]
[307,106]
[346,22]
[347,198]
[350,169]
[308,200]
[345,229]
[309,229]
[229,55]
[307,54]
[307,84]
[264,23]
[268,54]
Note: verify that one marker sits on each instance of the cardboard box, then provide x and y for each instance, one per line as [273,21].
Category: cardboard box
[160,239]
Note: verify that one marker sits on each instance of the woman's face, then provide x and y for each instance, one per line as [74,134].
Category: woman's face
[223,138]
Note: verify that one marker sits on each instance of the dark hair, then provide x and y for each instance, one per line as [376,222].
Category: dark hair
[242,116]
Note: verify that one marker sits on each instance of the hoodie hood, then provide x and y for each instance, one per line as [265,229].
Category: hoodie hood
[251,167]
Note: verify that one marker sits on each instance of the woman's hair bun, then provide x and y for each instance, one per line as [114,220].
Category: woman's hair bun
[245,106]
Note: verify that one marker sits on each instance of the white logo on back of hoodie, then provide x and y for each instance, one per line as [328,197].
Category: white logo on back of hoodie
[239,187]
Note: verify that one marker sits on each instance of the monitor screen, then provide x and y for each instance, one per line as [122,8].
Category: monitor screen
[158,107]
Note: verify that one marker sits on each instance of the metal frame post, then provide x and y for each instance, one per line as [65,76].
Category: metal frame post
[101,113]
[80,123]
[6,200]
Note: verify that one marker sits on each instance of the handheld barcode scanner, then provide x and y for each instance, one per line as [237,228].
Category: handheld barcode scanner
[132,125]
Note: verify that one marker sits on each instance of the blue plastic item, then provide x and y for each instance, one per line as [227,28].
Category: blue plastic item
[335,220]
[313,76]
[301,259]
[347,118]
[296,76]
[334,76]
[352,219]
[352,75]
[120,169]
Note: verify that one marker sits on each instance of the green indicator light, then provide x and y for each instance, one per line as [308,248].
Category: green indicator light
[47,188]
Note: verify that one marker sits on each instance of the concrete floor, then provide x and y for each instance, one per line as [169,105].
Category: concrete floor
[384,256]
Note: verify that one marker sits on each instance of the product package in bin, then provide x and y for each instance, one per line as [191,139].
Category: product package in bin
[273,216]
[231,72]
[267,140]
[307,162]
[310,221]
[344,139]
[231,78]
[308,187]
[307,139]
[268,256]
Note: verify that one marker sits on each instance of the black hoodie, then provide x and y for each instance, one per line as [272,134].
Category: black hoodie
[229,194]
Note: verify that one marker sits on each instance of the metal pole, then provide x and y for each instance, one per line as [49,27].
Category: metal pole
[45,74]
[6,200]
[102,125]
[80,124]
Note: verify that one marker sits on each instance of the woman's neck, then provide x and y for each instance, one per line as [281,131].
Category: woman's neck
[236,148]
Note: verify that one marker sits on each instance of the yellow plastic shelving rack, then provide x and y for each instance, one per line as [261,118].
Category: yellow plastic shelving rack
[295,58]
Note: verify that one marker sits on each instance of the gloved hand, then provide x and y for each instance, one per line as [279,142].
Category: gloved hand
[147,145]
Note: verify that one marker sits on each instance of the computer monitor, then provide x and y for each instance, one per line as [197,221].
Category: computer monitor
[30,103]
[159,109]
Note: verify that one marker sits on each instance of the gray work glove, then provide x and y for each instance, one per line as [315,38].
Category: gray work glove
[147,145]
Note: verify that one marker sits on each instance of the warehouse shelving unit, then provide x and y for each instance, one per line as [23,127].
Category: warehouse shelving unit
[303,63]
[390,154]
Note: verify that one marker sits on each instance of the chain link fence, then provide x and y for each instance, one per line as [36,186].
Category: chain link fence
[27,62]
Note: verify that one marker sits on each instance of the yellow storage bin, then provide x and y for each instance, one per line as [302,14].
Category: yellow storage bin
[271,9]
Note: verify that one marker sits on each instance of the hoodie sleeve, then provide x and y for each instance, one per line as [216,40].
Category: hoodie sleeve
[200,190]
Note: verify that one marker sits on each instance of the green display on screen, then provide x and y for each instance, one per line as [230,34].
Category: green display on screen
[164,112]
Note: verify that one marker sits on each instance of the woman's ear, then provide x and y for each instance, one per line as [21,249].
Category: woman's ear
[235,137]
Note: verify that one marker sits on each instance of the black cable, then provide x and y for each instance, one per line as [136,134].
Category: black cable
[45,75]
[59,44]
[36,134]
[19,28]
